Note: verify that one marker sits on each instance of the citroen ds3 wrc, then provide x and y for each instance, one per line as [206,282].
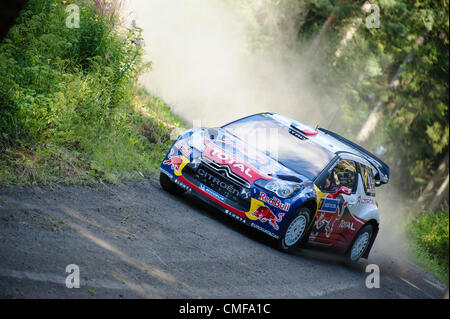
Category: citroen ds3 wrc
[298,184]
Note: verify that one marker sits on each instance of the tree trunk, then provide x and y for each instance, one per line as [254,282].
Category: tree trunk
[348,36]
[315,46]
[441,194]
[427,193]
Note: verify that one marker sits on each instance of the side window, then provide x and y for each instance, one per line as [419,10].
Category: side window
[343,174]
[368,180]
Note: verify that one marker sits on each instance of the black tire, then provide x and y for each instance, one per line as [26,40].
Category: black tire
[364,231]
[305,213]
[170,186]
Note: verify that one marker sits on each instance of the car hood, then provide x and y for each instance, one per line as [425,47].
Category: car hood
[225,149]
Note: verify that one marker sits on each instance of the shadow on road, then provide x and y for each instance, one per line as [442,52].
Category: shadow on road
[318,254]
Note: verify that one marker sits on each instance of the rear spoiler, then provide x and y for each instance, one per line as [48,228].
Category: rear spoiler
[383,171]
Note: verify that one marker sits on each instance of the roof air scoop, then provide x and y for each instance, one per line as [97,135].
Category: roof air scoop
[305,129]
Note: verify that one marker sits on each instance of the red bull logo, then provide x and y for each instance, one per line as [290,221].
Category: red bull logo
[176,162]
[274,202]
[264,214]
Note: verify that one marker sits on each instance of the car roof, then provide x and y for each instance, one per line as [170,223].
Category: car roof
[322,138]
[337,144]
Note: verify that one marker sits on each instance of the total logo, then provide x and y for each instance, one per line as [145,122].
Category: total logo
[275,202]
[226,159]
[219,156]
[346,224]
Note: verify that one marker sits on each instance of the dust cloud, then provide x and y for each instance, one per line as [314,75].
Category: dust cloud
[205,70]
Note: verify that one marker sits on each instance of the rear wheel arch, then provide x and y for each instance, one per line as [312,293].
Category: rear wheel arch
[374,223]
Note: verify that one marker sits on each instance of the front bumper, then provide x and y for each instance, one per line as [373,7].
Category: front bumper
[218,203]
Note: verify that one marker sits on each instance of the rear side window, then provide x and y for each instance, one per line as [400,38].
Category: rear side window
[368,181]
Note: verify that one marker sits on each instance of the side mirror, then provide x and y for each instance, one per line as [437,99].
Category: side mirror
[342,190]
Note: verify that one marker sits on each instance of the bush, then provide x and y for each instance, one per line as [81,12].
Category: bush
[71,94]
[430,234]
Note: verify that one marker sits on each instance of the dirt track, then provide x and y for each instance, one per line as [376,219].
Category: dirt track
[135,240]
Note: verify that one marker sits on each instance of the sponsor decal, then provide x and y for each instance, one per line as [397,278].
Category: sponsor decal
[222,157]
[234,216]
[214,180]
[176,181]
[176,163]
[264,230]
[331,213]
[223,204]
[265,214]
[254,205]
[323,225]
[367,201]
[329,205]
[212,193]
[275,202]
[346,224]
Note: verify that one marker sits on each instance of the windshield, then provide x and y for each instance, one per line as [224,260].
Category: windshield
[273,138]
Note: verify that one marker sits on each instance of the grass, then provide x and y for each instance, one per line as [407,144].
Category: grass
[429,243]
[114,157]
[110,155]
[71,109]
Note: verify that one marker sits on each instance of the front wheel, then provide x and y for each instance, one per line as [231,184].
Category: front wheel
[360,243]
[295,231]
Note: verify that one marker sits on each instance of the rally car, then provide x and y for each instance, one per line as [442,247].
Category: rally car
[298,184]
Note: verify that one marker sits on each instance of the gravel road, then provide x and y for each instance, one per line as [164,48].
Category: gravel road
[134,240]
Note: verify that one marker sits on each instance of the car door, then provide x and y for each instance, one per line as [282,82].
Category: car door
[337,198]
[358,207]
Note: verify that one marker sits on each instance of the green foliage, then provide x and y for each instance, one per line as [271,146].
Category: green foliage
[69,107]
[415,127]
[430,236]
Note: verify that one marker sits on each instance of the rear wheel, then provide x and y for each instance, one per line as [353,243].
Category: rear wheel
[360,243]
[295,231]
[170,186]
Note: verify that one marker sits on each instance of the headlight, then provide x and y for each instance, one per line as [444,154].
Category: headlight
[197,140]
[283,189]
